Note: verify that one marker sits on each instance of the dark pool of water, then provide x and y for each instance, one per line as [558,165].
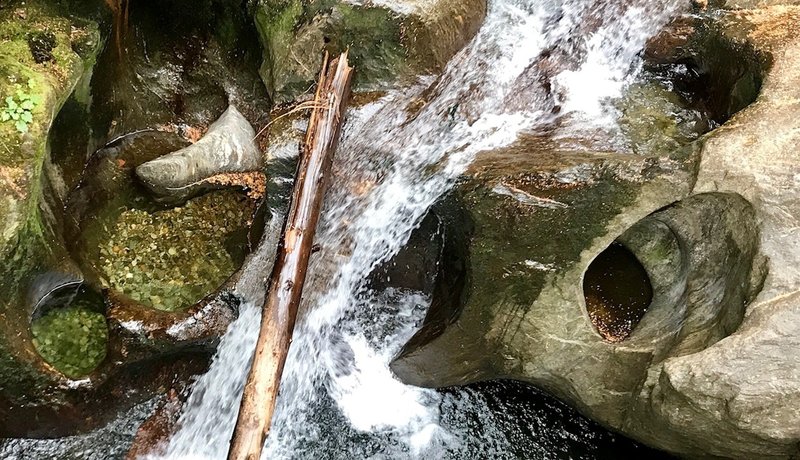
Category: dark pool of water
[617,291]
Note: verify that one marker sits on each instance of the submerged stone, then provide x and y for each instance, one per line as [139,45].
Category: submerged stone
[72,338]
[171,259]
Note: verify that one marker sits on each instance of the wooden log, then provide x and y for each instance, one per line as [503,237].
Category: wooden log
[289,273]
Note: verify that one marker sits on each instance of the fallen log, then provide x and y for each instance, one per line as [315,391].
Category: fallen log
[289,273]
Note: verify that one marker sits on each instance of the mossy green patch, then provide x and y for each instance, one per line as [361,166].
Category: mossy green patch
[294,35]
[656,122]
[72,339]
[47,79]
[276,25]
[373,36]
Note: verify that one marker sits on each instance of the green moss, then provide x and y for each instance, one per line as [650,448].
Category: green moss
[294,35]
[19,61]
[656,122]
[276,25]
[374,37]
[47,84]
[170,259]
[29,242]
[72,339]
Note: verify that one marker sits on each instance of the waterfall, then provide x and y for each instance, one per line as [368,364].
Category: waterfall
[338,397]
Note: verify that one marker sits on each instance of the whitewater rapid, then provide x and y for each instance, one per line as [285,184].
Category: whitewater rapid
[338,397]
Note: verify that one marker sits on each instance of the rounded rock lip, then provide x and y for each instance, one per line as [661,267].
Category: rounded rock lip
[139,337]
[138,332]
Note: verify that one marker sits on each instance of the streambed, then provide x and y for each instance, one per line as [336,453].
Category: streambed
[340,398]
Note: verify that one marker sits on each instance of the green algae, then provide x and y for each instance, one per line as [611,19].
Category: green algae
[72,339]
[656,121]
[294,34]
[170,259]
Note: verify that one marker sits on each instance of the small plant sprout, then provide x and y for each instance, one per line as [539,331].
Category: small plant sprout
[19,107]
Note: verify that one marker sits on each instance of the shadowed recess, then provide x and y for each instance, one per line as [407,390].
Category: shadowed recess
[617,291]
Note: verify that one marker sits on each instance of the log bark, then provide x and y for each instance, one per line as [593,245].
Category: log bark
[289,273]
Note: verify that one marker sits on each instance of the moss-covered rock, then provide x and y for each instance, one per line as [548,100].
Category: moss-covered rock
[29,187]
[387,40]
[540,215]
[78,100]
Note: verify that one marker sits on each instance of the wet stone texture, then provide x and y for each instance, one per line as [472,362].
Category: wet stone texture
[710,370]
[228,148]
[72,164]
[388,42]
[45,55]
[178,71]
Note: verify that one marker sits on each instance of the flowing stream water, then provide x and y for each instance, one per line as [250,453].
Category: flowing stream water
[535,64]
[338,397]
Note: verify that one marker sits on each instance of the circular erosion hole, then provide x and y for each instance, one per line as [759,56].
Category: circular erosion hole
[71,333]
[162,256]
[617,292]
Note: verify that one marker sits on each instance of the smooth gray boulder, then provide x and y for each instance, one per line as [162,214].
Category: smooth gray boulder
[741,397]
[712,370]
[228,147]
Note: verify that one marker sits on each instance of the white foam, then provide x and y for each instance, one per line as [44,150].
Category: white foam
[337,381]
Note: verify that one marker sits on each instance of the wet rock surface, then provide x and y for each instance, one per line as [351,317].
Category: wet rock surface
[179,71]
[69,166]
[707,371]
[31,189]
[699,367]
[388,41]
[228,147]
[744,388]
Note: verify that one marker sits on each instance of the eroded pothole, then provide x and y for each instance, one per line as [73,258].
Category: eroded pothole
[618,292]
[172,258]
[72,335]
[164,257]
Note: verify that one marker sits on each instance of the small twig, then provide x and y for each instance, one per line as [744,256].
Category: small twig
[308,105]
[6,147]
